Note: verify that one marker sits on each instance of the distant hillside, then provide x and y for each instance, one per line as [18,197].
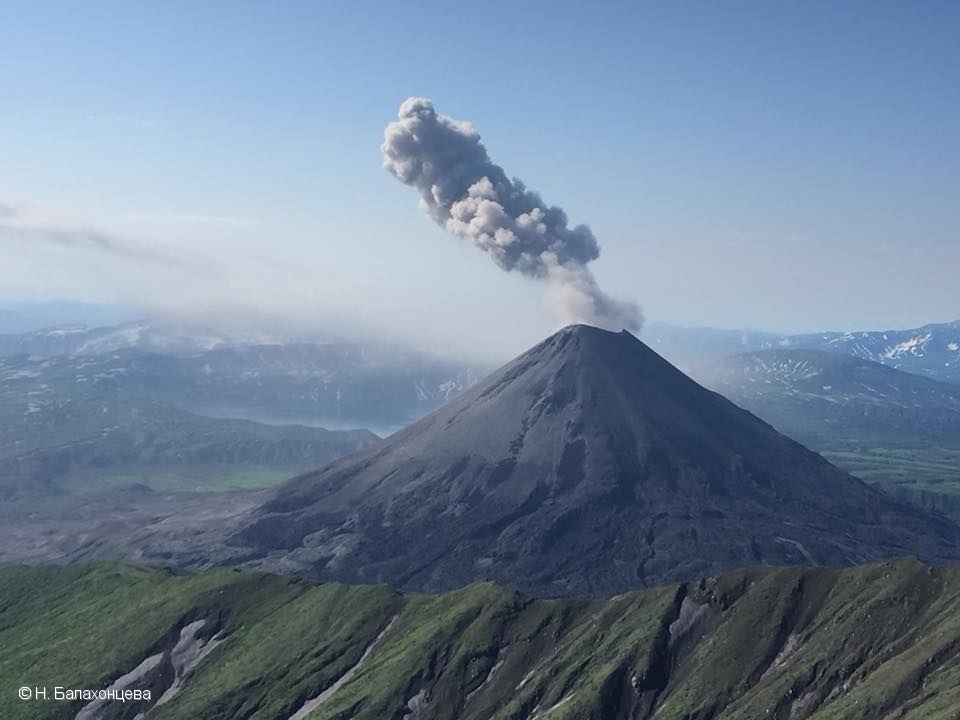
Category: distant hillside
[161,336]
[932,350]
[881,641]
[144,407]
[13,321]
[67,433]
[332,384]
[818,397]
[25,316]
[84,447]
[886,426]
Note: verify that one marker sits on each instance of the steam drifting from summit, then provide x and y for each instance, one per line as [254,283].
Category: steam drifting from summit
[470,196]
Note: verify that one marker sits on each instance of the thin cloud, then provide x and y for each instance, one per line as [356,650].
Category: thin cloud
[191,219]
[28,224]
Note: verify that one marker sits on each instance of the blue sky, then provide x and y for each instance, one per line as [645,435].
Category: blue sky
[788,166]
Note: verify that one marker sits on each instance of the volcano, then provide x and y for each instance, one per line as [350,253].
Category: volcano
[586,466]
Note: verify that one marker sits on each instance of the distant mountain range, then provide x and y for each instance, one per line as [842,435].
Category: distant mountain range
[819,397]
[64,434]
[588,465]
[789,643]
[23,316]
[896,429]
[159,336]
[340,383]
[932,350]
[334,384]
[156,406]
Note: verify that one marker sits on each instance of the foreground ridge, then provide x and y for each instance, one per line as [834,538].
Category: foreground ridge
[864,643]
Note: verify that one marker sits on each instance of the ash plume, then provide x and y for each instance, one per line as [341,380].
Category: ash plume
[472,197]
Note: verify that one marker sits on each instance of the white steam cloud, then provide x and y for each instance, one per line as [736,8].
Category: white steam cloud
[470,196]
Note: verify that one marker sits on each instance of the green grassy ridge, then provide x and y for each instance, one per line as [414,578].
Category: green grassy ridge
[869,643]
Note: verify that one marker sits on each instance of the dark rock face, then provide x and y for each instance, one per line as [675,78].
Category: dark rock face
[588,465]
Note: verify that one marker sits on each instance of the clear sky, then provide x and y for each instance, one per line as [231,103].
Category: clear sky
[787,166]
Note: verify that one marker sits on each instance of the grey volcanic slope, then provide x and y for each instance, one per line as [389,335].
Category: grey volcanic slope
[587,465]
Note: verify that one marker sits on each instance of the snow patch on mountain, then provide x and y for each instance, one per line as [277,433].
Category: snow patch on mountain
[914,346]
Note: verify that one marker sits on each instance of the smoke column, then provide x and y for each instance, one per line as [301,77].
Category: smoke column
[470,196]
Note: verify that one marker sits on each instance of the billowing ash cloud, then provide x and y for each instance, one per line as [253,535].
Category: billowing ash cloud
[470,196]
